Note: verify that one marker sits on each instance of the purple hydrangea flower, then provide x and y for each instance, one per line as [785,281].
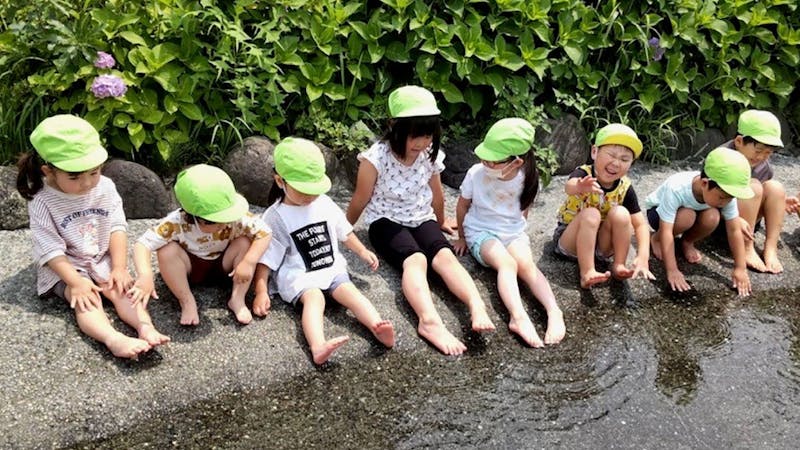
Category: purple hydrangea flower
[104,61]
[108,86]
[654,41]
[659,50]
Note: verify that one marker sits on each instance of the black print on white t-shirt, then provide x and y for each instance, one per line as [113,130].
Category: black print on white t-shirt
[313,242]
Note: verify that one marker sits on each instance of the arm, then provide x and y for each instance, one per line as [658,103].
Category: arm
[365,186]
[354,244]
[144,288]
[243,272]
[437,202]
[83,293]
[261,302]
[120,278]
[642,232]
[674,276]
[460,245]
[741,280]
[582,185]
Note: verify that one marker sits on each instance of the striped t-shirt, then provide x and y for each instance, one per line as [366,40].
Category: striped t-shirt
[77,226]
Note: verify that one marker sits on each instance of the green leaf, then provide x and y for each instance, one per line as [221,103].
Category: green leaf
[474,99]
[98,118]
[133,38]
[313,92]
[121,120]
[451,93]
[169,77]
[650,96]
[576,53]
[164,149]
[191,111]
[137,134]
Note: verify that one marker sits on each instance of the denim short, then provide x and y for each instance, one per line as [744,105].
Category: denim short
[483,236]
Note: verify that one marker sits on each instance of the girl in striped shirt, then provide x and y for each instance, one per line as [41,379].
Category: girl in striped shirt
[79,232]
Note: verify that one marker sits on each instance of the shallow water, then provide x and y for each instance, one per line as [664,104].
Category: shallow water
[710,372]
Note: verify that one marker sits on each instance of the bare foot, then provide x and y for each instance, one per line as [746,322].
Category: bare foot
[384,332]
[261,304]
[148,333]
[437,334]
[754,261]
[555,327]
[240,311]
[481,322]
[125,346]
[324,352]
[524,328]
[773,263]
[593,277]
[189,313]
[620,272]
[690,252]
[655,246]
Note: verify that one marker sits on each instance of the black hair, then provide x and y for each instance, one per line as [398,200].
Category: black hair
[275,192]
[711,183]
[530,187]
[749,140]
[30,178]
[402,128]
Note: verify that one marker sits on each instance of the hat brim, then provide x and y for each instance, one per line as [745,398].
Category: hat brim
[318,187]
[485,153]
[92,159]
[422,111]
[738,191]
[230,214]
[628,141]
[769,140]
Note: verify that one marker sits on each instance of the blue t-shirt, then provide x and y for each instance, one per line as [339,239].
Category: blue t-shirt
[676,192]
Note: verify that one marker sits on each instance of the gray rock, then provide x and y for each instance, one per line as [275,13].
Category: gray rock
[694,145]
[250,166]
[568,138]
[459,158]
[144,195]
[13,208]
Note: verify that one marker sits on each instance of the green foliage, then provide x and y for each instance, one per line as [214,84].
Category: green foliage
[313,68]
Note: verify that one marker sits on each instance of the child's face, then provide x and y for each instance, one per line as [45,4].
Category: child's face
[207,226]
[416,145]
[755,152]
[715,198]
[611,162]
[70,182]
[292,196]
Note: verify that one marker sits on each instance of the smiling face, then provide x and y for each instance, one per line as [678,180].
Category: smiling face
[754,151]
[74,183]
[611,162]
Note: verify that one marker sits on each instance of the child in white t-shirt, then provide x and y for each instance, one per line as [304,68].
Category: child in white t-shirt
[492,211]
[304,254]
[212,238]
[79,232]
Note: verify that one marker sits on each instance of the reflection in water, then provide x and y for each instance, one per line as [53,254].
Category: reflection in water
[719,372]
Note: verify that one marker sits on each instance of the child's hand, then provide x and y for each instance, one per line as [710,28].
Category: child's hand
[641,268]
[449,226]
[677,282]
[589,184]
[261,304]
[741,282]
[747,232]
[792,204]
[120,279]
[85,295]
[243,272]
[460,246]
[142,291]
[370,258]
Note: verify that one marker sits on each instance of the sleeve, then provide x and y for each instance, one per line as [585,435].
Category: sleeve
[342,226]
[374,155]
[668,206]
[438,164]
[466,185]
[254,227]
[162,233]
[730,211]
[578,173]
[279,245]
[631,201]
[47,243]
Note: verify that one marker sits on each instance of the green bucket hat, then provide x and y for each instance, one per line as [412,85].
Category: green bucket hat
[68,143]
[301,164]
[208,192]
[412,101]
[762,126]
[617,133]
[507,137]
[730,170]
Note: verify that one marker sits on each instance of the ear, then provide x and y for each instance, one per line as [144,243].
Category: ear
[594,152]
[47,170]
[738,141]
[279,181]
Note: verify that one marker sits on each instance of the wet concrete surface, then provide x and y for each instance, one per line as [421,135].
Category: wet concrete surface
[663,371]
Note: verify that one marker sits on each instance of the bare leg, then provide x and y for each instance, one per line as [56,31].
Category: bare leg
[705,223]
[615,235]
[773,211]
[418,294]
[496,256]
[580,238]
[313,308]
[174,265]
[351,298]
[540,287]
[655,246]
[232,257]
[462,286]
[138,318]
[748,210]
[95,324]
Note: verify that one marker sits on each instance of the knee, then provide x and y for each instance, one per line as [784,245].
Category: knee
[169,253]
[443,258]
[240,244]
[773,189]
[416,261]
[313,298]
[590,216]
[709,217]
[507,264]
[758,189]
[619,215]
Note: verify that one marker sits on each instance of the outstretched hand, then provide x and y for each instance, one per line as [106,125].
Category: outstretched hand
[589,184]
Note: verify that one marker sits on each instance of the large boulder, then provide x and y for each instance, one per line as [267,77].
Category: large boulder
[567,137]
[697,144]
[144,195]
[250,166]
[13,208]
[459,157]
